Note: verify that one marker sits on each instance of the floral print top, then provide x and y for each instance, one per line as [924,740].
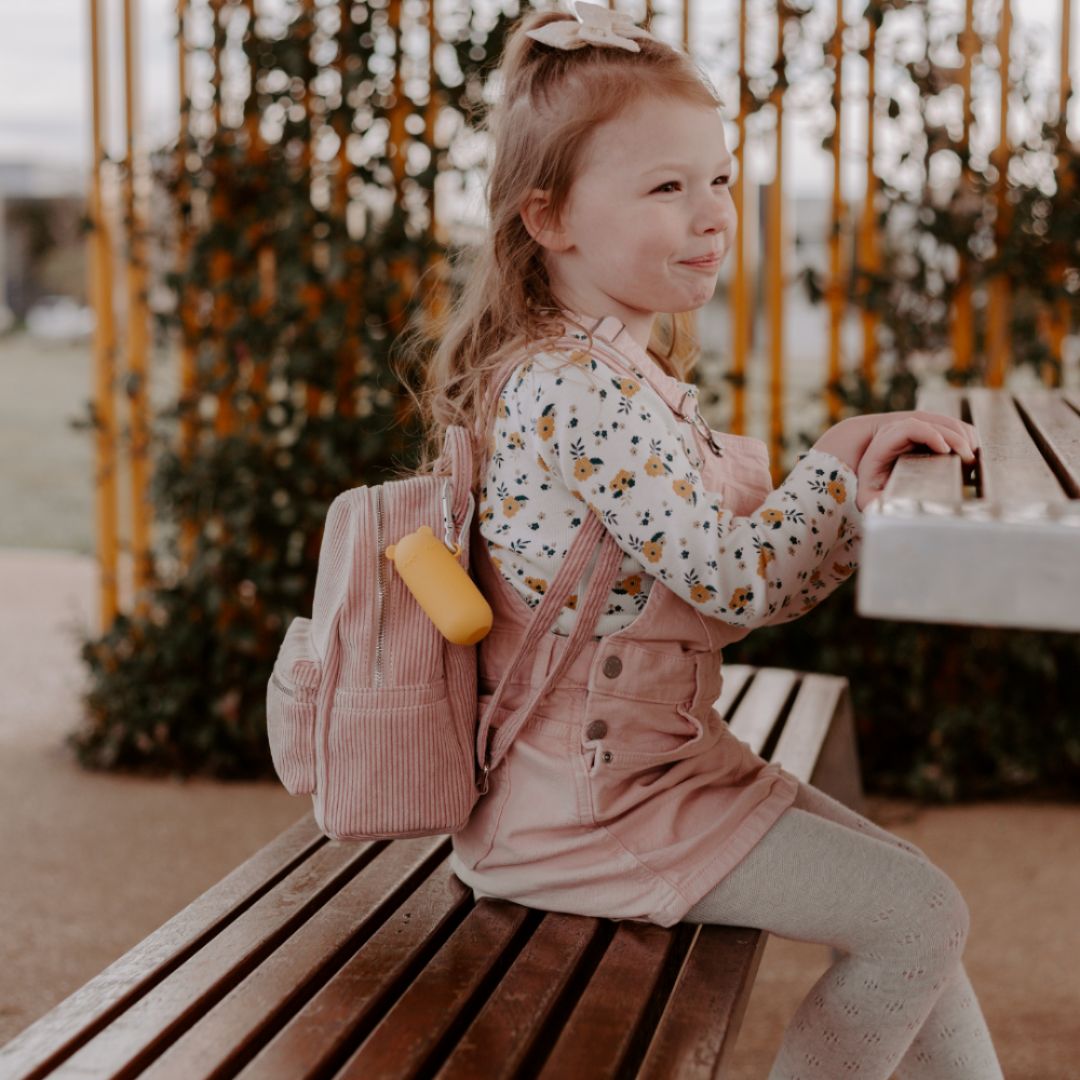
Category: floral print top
[570,433]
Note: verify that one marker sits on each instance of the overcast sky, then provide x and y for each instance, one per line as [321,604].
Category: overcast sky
[45,60]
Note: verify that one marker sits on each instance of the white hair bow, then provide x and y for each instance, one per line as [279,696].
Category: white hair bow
[595,25]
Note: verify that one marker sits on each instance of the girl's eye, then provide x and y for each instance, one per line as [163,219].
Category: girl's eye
[719,179]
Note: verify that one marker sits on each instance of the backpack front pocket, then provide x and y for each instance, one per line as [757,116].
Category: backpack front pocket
[290,709]
[393,763]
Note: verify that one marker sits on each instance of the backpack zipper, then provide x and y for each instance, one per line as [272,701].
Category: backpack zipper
[377,679]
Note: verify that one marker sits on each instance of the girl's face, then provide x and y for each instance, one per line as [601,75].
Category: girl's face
[652,193]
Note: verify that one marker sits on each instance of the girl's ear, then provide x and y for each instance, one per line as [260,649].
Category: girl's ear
[535,212]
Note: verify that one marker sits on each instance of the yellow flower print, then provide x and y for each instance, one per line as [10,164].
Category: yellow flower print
[486,513]
[622,481]
[514,439]
[765,556]
[583,469]
[683,488]
[837,490]
[741,597]
[511,505]
[628,387]
[571,602]
[843,568]
[631,585]
[545,426]
[653,549]
[700,594]
[543,464]
[537,584]
[772,517]
[504,409]
[654,466]
[579,357]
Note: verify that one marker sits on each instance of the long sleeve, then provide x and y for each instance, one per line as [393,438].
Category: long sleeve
[613,445]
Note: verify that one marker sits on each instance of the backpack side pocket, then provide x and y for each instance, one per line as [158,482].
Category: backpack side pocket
[290,709]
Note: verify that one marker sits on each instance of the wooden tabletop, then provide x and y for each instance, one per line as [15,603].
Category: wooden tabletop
[997,544]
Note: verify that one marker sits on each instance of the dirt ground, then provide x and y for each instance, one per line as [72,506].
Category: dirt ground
[93,863]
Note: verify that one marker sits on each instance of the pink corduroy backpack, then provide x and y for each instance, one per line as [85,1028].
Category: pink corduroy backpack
[370,709]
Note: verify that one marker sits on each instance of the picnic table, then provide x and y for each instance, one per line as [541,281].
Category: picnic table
[997,547]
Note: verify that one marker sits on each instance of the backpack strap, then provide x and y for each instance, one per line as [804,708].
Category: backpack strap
[456,461]
[581,551]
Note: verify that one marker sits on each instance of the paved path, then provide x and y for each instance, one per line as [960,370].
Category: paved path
[93,862]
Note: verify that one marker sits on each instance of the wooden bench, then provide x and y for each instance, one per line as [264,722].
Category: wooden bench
[318,959]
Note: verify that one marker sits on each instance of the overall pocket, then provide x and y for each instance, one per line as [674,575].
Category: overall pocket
[290,709]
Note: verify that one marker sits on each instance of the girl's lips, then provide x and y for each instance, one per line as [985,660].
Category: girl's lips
[704,264]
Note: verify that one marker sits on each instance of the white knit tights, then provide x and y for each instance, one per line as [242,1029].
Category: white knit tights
[899,998]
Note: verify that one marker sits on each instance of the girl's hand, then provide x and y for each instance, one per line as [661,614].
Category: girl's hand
[849,439]
[891,439]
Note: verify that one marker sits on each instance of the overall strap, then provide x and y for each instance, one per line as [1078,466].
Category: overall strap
[591,537]
[603,577]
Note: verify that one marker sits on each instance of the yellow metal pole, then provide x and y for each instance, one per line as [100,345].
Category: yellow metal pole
[348,354]
[963,323]
[436,297]
[836,287]
[869,251]
[137,334]
[997,318]
[221,270]
[1058,317]
[187,353]
[776,272]
[313,396]
[740,308]
[689,318]
[100,263]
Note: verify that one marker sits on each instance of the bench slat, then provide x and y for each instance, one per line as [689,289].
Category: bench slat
[808,723]
[762,705]
[1058,429]
[89,1009]
[158,1017]
[697,1030]
[252,1012]
[600,1031]
[412,1030]
[332,1022]
[1013,470]
[506,1030]
[736,677]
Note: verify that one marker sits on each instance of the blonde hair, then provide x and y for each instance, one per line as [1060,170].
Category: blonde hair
[551,101]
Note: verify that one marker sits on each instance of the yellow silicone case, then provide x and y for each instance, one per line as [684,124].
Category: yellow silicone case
[442,586]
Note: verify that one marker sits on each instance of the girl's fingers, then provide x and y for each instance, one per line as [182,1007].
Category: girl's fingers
[961,427]
[941,439]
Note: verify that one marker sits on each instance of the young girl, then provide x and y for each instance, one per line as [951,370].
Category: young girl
[625,795]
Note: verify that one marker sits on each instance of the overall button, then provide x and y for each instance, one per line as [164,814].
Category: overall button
[596,730]
[612,667]
[606,755]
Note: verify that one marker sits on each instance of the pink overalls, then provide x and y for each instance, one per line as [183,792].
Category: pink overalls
[625,795]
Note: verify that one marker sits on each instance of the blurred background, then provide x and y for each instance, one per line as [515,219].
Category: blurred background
[216,219]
